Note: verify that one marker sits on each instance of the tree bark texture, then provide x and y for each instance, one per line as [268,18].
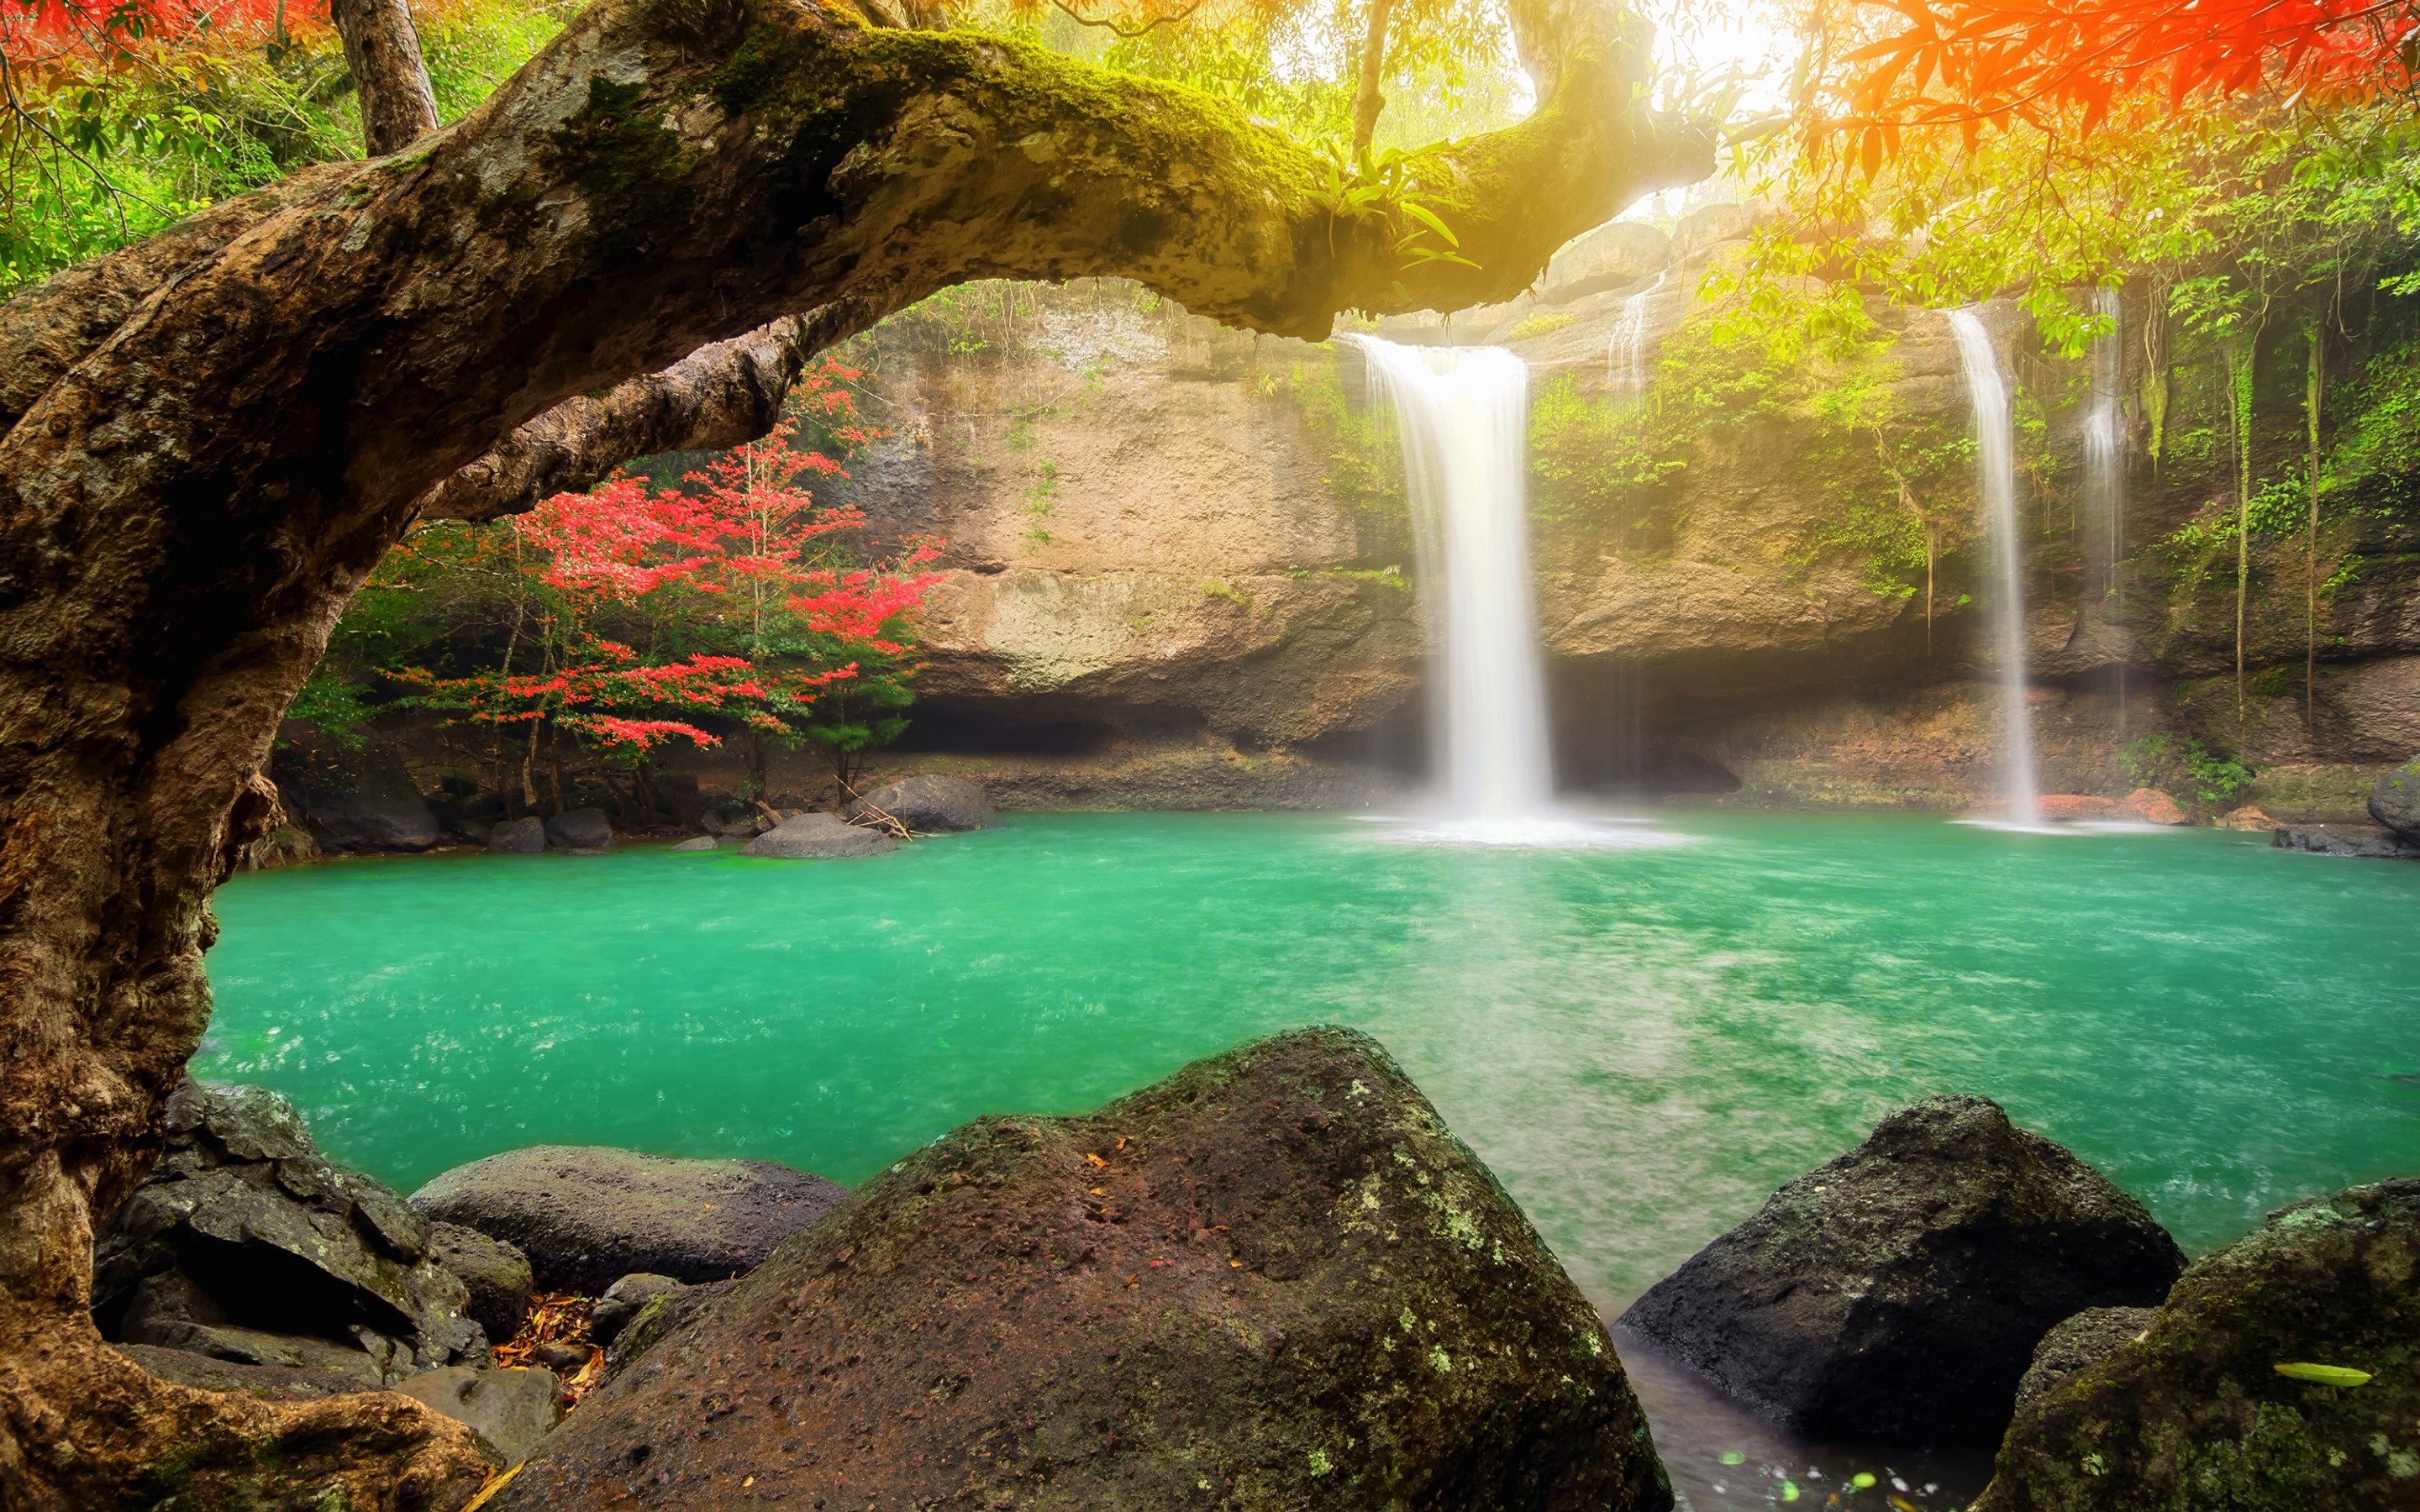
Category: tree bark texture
[212,438]
[382,50]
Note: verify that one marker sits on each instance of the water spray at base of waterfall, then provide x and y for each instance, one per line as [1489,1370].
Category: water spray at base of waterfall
[1995,477]
[1464,416]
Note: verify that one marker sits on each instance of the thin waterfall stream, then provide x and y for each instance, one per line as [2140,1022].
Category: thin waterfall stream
[1995,476]
[2104,474]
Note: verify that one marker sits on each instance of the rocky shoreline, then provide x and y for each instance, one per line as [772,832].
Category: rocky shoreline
[1274,1279]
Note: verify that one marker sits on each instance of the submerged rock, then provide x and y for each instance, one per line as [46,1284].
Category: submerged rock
[1274,1280]
[2347,840]
[2086,1339]
[580,829]
[818,836]
[2395,802]
[244,1245]
[2199,1413]
[512,1410]
[586,1215]
[496,1274]
[525,836]
[930,803]
[1895,1294]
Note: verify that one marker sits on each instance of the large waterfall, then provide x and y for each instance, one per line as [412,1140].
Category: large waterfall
[1995,476]
[1464,414]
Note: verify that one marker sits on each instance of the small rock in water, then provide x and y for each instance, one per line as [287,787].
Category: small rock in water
[587,1215]
[1895,1294]
[580,831]
[699,842]
[2246,818]
[525,836]
[2150,806]
[2395,802]
[512,1410]
[2067,807]
[816,837]
[929,804]
[2362,841]
[2198,1414]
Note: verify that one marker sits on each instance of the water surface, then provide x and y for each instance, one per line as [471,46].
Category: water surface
[1642,1042]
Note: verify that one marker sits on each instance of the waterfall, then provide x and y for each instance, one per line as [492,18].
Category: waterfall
[1464,415]
[1996,478]
[1625,351]
[2104,472]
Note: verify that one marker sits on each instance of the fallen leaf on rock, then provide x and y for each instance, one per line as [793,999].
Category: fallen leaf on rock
[2324,1375]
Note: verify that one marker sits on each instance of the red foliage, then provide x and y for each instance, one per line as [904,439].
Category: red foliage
[1972,62]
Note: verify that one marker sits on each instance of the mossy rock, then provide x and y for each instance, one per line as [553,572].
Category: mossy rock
[2195,1416]
[1274,1280]
[2395,802]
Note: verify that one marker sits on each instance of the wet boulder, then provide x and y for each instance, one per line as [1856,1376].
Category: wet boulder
[2395,802]
[928,804]
[587,1215]
[1274,1280]
[496,1274]
[375,807]
[580,829]
[2282,1375]
[243,1241]
[818,836]
[525,836]
[1895,1294]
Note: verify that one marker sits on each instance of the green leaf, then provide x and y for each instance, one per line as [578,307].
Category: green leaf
[1429,218]
[2324,1375]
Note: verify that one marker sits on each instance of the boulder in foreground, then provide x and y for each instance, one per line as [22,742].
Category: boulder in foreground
[1895,1294]
[1274,1280]
[587,1215]
[244,1245]
[818,836]
[929,803]
[2395,802]
[2198,1414]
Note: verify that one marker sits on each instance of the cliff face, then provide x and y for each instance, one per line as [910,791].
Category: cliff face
[1178,563]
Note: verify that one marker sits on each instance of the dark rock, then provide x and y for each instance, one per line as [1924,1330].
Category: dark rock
[1895,1294]
[2347,840]
[1275,1274]
[580,829]
[929,804]
[587,1216]
[699,842]
[270,1381]
[734,820]
[525,836]
[677,796]
[818,836]
[375,808]
[2198,1415]
[512,1410]
[568,1358]
[2086,1339]
[243,1234]
[496,1273]
[622,1301]
[2395,802]
[658,1318]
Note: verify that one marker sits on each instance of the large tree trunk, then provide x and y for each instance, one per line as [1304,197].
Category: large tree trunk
[212,438]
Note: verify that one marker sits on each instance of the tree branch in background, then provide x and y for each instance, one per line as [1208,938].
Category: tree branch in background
[1366,101]
[382,48]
